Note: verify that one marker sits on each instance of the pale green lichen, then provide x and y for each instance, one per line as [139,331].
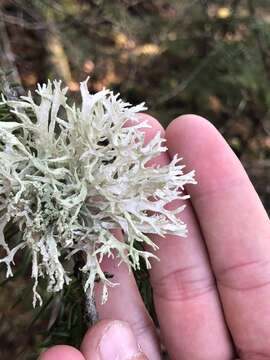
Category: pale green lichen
[70,175]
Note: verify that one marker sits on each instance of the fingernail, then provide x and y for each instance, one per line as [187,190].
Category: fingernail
[118,343]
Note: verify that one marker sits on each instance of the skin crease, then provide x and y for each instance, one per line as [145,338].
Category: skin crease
[212,289]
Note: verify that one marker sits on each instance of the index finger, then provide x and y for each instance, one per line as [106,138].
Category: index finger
[61,352]
[236,230]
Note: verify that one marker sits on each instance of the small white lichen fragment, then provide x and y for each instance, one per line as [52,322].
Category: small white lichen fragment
[70,175]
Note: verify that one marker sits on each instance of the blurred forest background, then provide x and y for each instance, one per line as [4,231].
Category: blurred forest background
[209,57]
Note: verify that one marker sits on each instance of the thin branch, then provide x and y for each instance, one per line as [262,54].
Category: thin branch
[189,79]
[10,19]
[10,81]
[263,51]
[91,314]
[90,310]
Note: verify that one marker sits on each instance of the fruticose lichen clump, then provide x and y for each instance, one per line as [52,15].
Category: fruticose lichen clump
[69,175]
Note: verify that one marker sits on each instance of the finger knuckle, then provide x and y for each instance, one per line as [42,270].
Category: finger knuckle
[243,276]
[142,326]
[184,284]
[253,354]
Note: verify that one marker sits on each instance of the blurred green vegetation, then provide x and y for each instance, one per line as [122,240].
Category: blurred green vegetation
[180,56]
[209,57]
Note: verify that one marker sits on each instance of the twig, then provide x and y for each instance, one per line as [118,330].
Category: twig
[22,23]
[186,82]
[263,51]
[10,81]
[91,314]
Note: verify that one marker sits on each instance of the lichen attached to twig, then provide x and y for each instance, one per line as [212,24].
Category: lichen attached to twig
[70,175]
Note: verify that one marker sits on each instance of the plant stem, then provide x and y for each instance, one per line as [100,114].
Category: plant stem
[90,310]
[91,314]
[10,82]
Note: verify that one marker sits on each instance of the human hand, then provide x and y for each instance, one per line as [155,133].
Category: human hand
[211,290]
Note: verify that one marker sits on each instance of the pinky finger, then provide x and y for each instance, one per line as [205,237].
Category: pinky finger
[62,352]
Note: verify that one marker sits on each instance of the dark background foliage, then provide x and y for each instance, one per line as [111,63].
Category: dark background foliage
[209,57]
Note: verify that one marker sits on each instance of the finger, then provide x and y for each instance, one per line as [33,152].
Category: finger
[236,229]
[185,295]
[111,340]
[62,352]
[125,303]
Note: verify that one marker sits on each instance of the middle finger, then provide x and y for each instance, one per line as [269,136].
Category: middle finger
[186,298]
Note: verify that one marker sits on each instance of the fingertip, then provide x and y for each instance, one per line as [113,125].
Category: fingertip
[149,132]
[93,335]
[153,122]
[111,339]
[61,352]
[196,139]
[189,124]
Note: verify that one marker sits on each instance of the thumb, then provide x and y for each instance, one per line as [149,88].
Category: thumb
[111,340]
